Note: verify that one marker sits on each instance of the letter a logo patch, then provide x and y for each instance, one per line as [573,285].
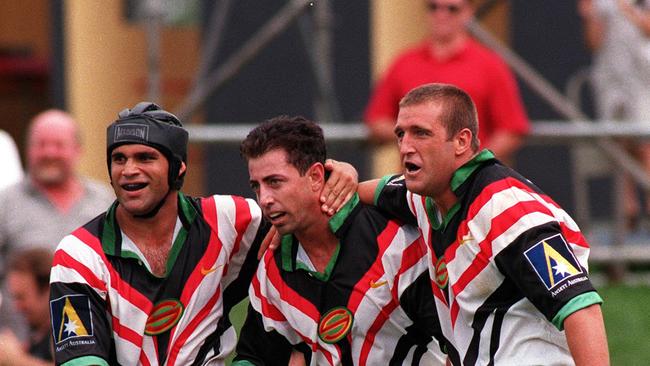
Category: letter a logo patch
[553,261]
[71,317]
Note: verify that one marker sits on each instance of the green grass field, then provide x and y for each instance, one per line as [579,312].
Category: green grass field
[627,321]
[626,310]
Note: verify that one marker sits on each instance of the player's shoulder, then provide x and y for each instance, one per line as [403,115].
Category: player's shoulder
[229,212]
[371,218]
[83,245]
[229,203]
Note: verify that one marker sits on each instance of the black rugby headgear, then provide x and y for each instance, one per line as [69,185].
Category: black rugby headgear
[150,125]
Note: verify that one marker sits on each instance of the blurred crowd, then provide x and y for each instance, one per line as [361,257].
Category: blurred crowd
[37,209]
[49,199]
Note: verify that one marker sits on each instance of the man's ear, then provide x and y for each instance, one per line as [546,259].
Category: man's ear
[182,169]
[463,141]
[316,174]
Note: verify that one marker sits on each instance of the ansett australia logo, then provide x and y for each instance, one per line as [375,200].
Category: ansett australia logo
[553,261]
[71,317]
[335,325]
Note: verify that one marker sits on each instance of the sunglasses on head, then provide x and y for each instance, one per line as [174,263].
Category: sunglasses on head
[451,8]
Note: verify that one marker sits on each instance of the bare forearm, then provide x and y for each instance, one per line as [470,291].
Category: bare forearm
[593,26]
[504,145]
[367,190]
[585,333]
[382,131]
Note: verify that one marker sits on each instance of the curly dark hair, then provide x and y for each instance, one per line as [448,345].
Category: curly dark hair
[301,138]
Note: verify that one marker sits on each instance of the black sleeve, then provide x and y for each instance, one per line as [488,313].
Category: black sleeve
[542,265]
[80,325]
[260,347]
[418,303]
[391,198]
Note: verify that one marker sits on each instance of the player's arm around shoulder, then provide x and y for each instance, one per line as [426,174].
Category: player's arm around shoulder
[585,332]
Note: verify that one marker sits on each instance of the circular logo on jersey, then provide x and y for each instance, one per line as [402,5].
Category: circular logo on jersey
[164,315]
[442,278]
[335,325]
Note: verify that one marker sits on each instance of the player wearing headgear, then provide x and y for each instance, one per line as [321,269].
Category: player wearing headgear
[149,281]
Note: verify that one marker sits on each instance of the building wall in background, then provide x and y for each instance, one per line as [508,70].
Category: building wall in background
[106,71]
[24,55]
[280,81]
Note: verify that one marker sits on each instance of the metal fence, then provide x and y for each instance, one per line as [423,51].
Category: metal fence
[614,247]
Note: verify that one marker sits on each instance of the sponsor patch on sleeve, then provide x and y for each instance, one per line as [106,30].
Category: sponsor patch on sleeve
[553,262]
[71,317]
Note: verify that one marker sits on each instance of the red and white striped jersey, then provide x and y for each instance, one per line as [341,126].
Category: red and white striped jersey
[508,265]
[372,306]
[107,308]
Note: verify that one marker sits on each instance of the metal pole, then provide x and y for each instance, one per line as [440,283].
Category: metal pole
[212,40]
[241,57]
[560,103]
[154,14]
[319,50]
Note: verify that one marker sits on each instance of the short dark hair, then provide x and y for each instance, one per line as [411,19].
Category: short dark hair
[36,262]
[301,138]
[459,111]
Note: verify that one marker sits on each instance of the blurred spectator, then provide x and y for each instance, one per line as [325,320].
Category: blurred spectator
[10,166]
[618,32]
[52,199]
[450,55]
[28,279]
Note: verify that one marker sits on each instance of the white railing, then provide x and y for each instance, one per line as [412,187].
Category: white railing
[543,132]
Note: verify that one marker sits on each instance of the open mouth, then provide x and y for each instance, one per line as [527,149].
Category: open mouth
[131,187]
[411,168]
[274,216]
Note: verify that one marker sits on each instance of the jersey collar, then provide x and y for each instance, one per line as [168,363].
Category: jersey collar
[461,175]
[112,239]
[337,223]
[465,171]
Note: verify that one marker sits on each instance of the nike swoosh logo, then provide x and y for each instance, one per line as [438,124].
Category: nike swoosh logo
[465,239]
[207,271]
[374,284]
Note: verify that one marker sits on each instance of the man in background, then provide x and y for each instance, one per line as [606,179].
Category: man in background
[450,55]
[52,199]
[618,34]
[12,169]
[28,280]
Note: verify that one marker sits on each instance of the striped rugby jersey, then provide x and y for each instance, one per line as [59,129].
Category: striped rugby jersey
[373,304]
[508,265]
[108,309]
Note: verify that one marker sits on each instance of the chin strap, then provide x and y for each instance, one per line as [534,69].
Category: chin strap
[154,211]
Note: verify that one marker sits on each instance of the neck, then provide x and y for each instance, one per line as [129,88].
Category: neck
[152,235]
[63,195]
[319,242]
[141,229]
[444,48]
[445,201]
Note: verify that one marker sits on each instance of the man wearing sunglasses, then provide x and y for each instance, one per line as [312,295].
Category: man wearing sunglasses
[450,55]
